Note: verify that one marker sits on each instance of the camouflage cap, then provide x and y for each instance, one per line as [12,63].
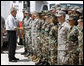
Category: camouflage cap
[73,9]
[76,7]
[70,8]
[63,9]
[53,7]
[60,13]
[79,10]
[43,14]
[58,8]
[72,17]
[80,20]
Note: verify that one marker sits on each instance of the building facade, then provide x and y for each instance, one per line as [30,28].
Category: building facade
[31,6]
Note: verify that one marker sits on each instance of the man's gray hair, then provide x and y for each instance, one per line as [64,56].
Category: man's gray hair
[13,9]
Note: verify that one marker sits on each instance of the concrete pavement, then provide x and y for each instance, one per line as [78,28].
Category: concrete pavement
[23,60]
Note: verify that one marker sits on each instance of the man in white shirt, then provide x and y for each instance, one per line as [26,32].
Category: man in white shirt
[11,28]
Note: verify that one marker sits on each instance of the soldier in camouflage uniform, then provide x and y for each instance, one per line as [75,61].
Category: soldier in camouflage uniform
[73,42]
[40,30]
[62,39]
[80,40]
[34,36]
[39,26]
[53,41]
[27,32]
[24,16]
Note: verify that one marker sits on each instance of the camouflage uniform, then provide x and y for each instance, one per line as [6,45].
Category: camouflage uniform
[39,37]
[45,47]
[34,35]
[43,41]
[63,43]
[73,46]
[53,44]
[24,35]
[28,34]
[80,41]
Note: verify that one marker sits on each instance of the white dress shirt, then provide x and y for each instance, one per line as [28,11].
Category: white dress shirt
[11,23]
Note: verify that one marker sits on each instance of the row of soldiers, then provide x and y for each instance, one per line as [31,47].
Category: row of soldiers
[55,36]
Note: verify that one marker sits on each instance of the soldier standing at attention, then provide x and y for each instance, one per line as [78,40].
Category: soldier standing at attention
[80,40]
[33,35]
[25,50]
[62,38]
[53,34]
[73,41]
[27,32]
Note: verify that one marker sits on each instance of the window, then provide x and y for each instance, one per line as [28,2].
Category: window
[45,7]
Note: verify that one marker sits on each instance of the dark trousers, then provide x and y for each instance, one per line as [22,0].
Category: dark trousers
[12,44]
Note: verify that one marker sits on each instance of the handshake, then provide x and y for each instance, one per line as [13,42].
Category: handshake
[21,28]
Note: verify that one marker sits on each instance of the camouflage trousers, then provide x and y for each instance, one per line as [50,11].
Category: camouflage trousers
[73,54]
[62,57]
[45,48]
[81,58]
[34,43]
[80,54]
[28,41]
[39,45]
[53,52]
[24,43]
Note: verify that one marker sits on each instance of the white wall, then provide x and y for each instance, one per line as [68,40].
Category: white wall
[58,2]
[39,5]
[36,5]
[19,6]
[5,9]
[32,6]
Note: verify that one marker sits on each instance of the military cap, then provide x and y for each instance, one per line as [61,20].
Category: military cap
[79,10]
[76,7]
[80,20]
[63,8]
[53,7]
[58,8]
[72,17]
[70,8]
[73,9]
[42,14]
[48,14]
[13,9]
[60,13]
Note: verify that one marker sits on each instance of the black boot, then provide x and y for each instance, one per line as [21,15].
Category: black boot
[39,63]
[24,52]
